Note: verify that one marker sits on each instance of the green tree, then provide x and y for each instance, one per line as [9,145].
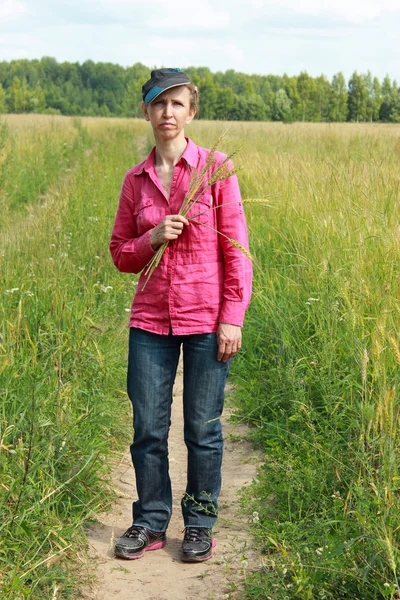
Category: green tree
[267,94]
[228,79]
[51,71]
[2,99]
[253,108]
[132,100]
[282,108]
[358,96]
[338,100]
[289,84]
[54,99]
[370,99]
[208,98]
[321,99]
[225,104]
[386,86]
[387,100]
[377,98]
[104,111]
[306,89]
[37,100]
[394,116]
[17,100]
[86,89]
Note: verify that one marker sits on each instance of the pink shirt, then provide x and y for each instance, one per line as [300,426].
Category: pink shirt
[202,279]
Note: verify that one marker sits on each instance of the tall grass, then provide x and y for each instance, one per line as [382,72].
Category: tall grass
[63,339]
[319,375]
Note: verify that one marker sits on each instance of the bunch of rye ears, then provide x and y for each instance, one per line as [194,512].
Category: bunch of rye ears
[200,182]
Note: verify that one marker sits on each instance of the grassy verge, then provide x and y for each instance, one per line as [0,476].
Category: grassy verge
[319,375]
[63,339]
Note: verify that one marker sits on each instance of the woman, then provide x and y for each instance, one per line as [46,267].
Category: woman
[195,299]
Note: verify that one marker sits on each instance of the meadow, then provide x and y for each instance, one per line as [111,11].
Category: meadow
[317,379]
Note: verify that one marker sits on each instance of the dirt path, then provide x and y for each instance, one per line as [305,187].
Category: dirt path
[161,575]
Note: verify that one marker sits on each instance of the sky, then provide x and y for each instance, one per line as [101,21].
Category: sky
[250,36]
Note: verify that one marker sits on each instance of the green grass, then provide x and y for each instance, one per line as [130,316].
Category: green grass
[317,379]
[63,404]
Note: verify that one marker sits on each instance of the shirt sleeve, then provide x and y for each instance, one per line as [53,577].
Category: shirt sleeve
[237,266]
[129,252]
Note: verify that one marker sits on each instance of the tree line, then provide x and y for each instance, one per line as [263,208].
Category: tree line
[106,89]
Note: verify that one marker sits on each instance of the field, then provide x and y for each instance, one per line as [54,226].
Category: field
[317,379]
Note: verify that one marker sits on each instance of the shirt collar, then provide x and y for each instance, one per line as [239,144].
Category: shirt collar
[190,156]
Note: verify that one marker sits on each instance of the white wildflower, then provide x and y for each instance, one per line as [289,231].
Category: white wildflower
[336,496]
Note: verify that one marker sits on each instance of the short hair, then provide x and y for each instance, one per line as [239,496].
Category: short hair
[194,95]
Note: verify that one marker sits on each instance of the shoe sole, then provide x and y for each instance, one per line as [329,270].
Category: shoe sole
[187,558]
[155,546]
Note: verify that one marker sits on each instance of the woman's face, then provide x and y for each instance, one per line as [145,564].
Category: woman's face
[170,112]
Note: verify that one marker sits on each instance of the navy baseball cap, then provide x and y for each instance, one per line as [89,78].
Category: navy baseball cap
[161,80]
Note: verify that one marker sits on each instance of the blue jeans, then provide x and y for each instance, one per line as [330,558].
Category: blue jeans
[152,365]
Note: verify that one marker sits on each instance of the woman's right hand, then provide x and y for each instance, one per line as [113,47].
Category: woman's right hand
[170,228]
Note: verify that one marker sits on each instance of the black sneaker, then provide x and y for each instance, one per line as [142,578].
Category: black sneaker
[197,544]
[137,540]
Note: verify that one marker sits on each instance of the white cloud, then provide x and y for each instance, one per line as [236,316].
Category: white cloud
[191,51]
[174,45]
[12,9]
[355,11]
[204,16]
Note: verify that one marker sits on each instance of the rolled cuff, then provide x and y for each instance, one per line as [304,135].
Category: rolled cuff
[232,313]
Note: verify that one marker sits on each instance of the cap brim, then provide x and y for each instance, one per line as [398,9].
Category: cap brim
[156,91]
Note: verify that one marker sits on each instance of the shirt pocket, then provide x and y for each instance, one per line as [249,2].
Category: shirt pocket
[204,221]
[203,211]
[148,214]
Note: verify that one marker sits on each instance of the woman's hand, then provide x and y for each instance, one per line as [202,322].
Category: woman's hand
[229,338]
[170,228]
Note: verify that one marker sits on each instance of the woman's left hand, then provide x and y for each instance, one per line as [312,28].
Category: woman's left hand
[229,338]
